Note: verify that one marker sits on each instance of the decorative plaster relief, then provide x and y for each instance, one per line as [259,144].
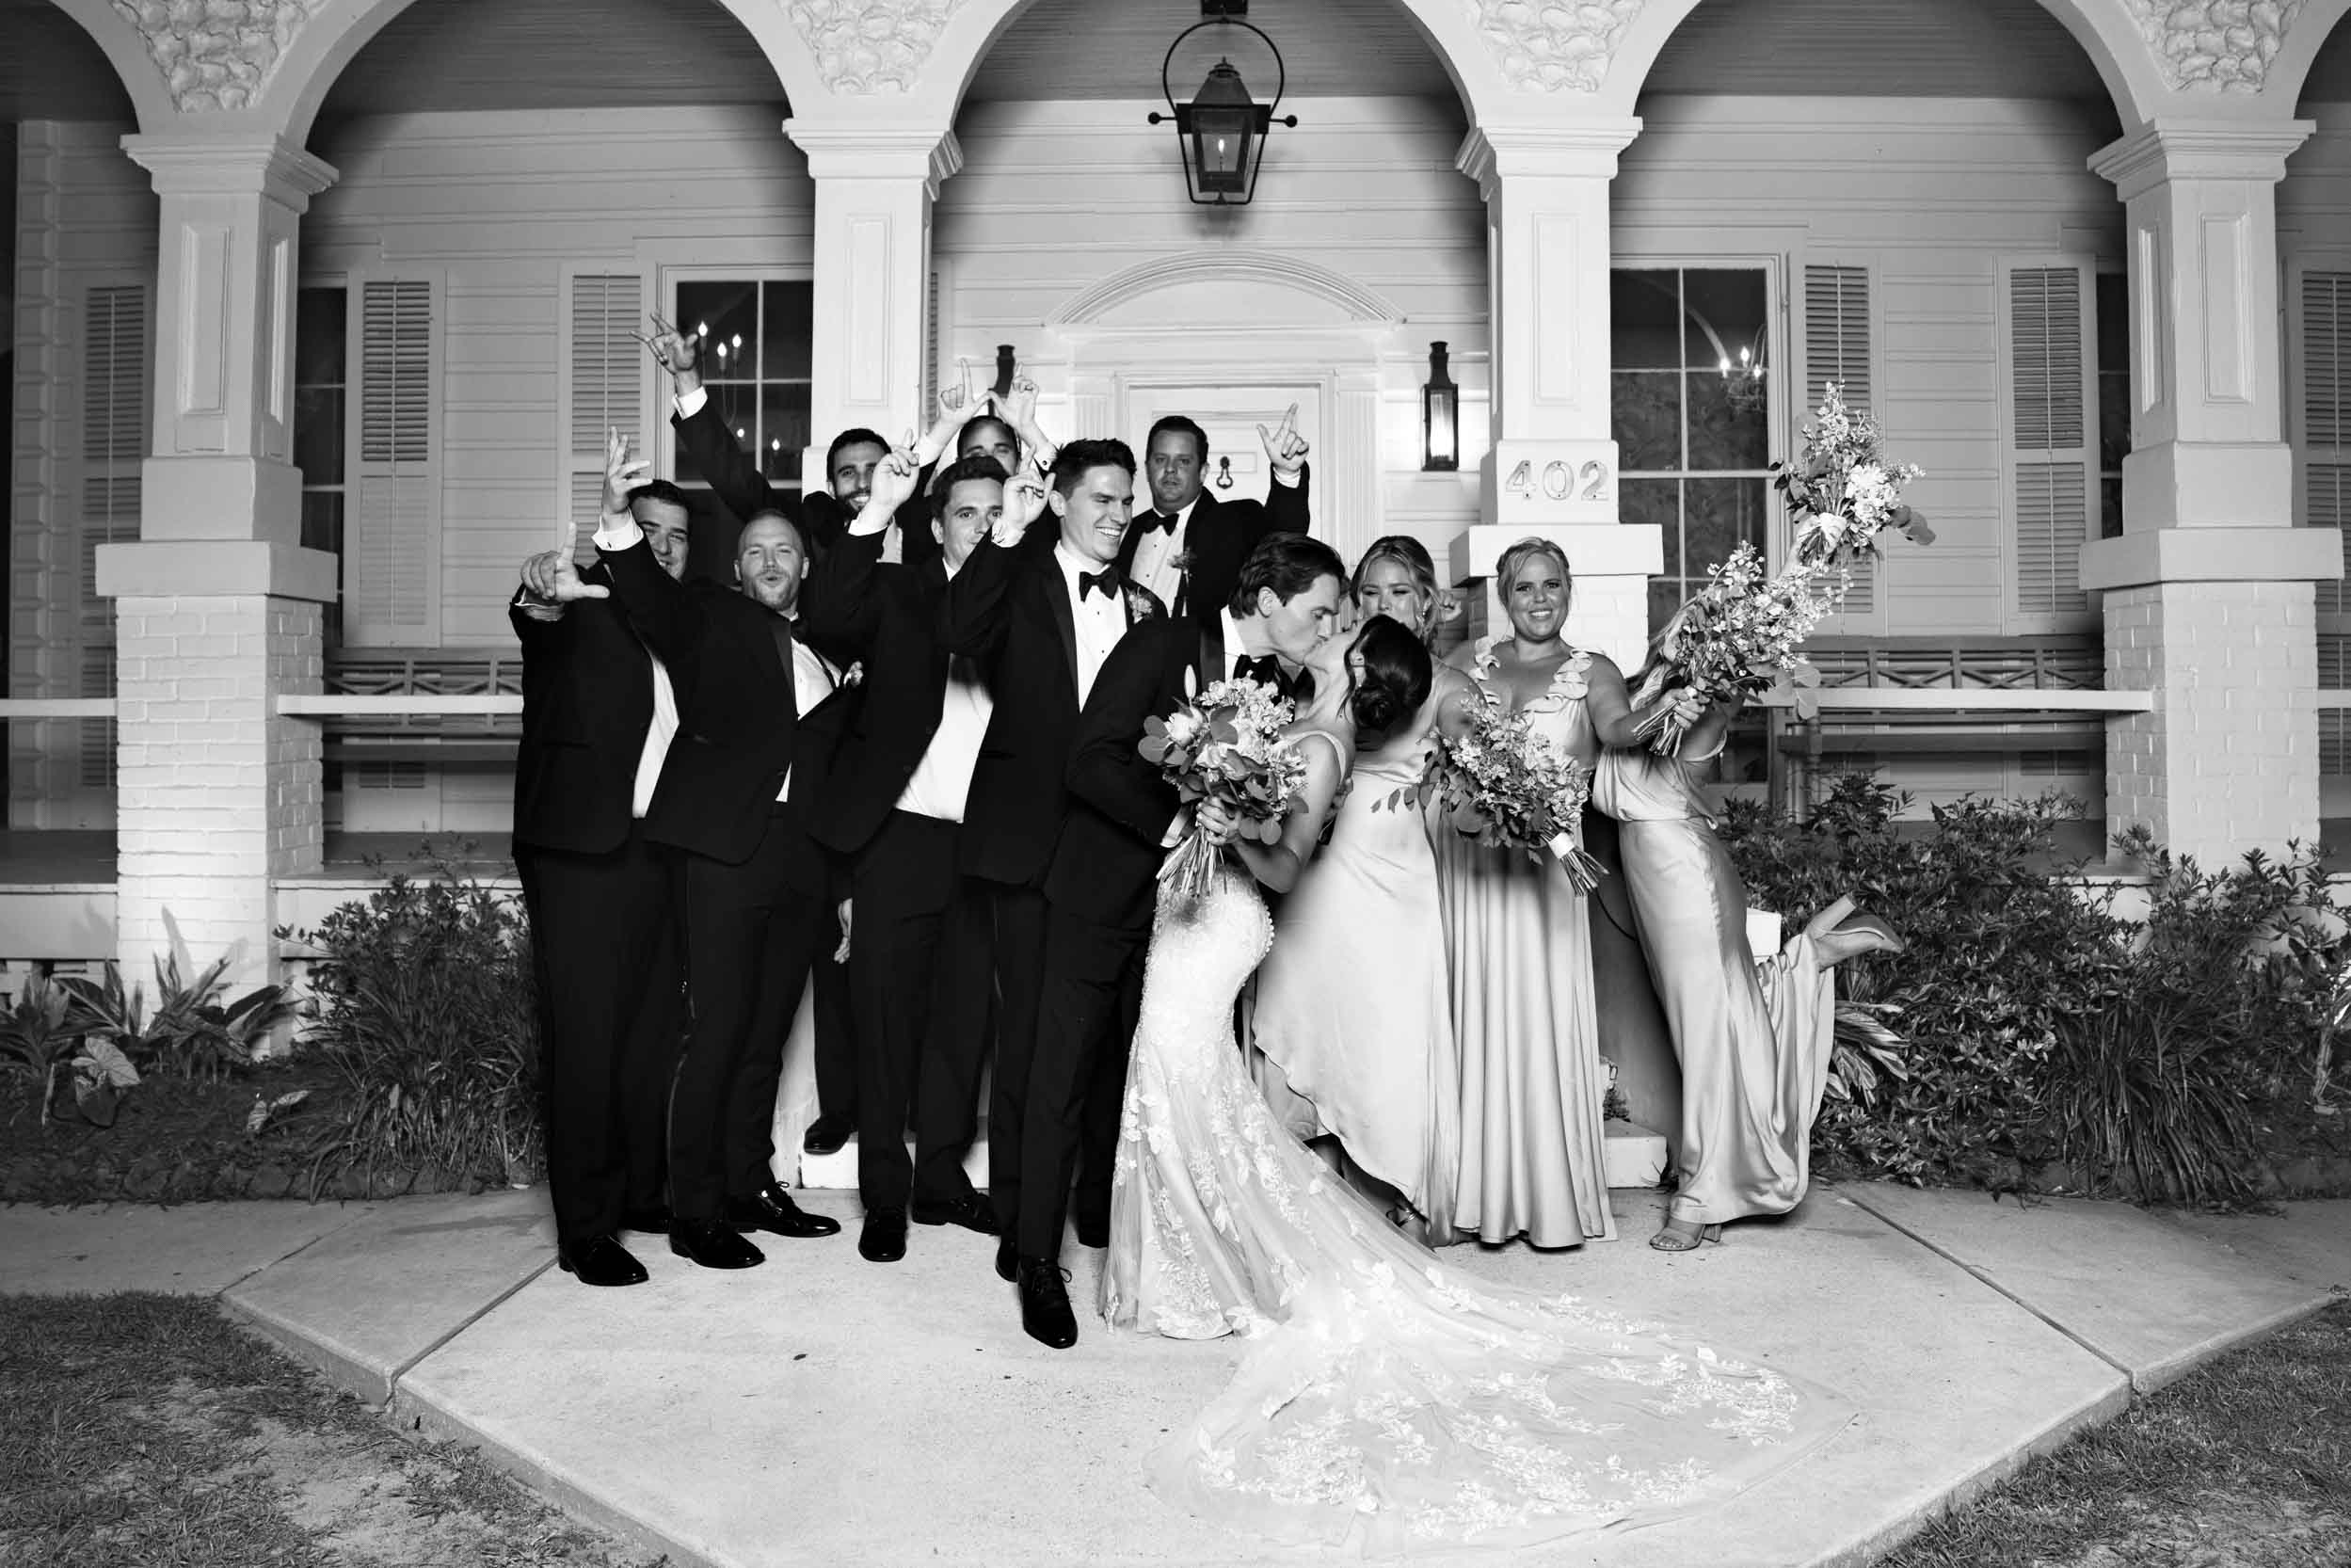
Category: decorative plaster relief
[1554,45]
[216,54]
[2215,45]
[864,47]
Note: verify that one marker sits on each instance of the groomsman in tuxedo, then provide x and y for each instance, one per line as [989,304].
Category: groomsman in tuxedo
[758,721]
[1100,889]
[920,943]
[736,479]
[598,716]
[1042,625]
[1187,548]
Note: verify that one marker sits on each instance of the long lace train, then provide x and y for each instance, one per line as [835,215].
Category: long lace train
[1389,1401]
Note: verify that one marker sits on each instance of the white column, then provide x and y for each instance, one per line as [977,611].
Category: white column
[875,186]
[2207,592]
[1552,468]
[216,606]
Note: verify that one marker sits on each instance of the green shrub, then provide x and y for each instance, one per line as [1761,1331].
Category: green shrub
[423,1001]
[194,1030]
[2042,1028]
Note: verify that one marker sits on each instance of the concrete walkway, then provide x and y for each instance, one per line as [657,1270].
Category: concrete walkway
[823,1409]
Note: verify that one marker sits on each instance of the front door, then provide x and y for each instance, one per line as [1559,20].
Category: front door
[1236,467]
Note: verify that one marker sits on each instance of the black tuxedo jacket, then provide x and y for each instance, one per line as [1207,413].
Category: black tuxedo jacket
[735,478]
[1105,867]
[739,724]
[893,618]
[1220,537]
[587,700]
[1011,612]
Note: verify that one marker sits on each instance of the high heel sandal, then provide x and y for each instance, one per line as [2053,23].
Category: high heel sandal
[1685,1236]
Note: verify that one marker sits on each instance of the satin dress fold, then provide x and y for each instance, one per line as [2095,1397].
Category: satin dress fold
[1518,937]
[1389,1403]
[1754,1041]
[1354,1005]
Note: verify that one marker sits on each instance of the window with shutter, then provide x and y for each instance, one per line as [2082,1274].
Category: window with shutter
[605,385]
[2326,444]
[115,421]
[392,547]
[1836,353]
[2048,439]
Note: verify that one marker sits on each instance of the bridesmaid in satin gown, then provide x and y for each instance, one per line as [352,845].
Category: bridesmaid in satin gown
[1754,1041]
[1519,936]
[1354,1013]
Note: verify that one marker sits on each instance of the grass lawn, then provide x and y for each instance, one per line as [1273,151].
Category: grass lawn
[2245,1464]
[142,1430]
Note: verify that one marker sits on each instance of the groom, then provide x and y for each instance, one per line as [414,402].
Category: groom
[1099,889]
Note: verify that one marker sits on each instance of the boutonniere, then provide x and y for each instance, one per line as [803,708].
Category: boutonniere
[1142,605]
[855,675]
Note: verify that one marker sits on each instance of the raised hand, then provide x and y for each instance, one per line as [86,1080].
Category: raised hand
[1283,446]
[1024,502]
[955,403]
[894,479]
[552,576]
[1020,405]
[620,475]
[676,353]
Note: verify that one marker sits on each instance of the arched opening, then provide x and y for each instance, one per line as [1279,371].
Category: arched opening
[1065,187]
[521,184]
[2314,259]
[78,302]
[1898,204]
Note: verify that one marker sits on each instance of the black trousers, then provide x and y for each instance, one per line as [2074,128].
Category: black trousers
[1090,995]
[921,974]
[752,932]
[1018,925]
[604,955]
[836,1020]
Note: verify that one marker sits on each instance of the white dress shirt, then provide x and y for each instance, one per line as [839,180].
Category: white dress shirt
[1099,620]
[942,780]
[1154,565]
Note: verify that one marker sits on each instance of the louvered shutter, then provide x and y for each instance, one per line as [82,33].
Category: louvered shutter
[605,385]
[2048,439]
[115,424]
[2326,447]
[933,344]
[1836,353]
[393,540]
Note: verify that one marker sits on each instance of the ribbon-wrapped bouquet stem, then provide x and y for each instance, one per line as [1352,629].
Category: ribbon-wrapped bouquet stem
[1742,634]
[1224,744]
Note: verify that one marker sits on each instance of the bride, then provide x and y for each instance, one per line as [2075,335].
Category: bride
[1390,1401]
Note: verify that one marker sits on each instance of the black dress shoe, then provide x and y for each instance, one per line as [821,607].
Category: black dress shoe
[771,1209]
[827,1134]
[601,1260]
[971,1211]
[884,1238]
[1044,1304]
[1007,1260]
[712,1245]
[645,1221]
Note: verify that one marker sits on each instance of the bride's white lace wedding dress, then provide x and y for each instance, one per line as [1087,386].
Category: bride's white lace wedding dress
[1389,1398]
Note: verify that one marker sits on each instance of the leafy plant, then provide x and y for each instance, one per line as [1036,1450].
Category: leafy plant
[102,1076]
[42,1033]
[194,1032]
[1865,1051]
[2147,1089]
[423,1001]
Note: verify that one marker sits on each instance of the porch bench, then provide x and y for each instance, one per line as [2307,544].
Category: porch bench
[395,705]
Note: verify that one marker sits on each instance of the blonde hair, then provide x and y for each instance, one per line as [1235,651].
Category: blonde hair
[1525,550]
[1414,557]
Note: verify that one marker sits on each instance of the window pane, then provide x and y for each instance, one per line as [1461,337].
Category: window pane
[1644,320]
[2110,508]
[725,316]
[1726,316]
[322,520]
[318,342]
[1665,597]
[1729,426]
[318,434]
[1645,417]
[1656,502]
[783,431]
[1722,514]
[786,320]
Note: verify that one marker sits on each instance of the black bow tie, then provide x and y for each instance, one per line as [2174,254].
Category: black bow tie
[1156,522]
[1104,582]
[1268,669]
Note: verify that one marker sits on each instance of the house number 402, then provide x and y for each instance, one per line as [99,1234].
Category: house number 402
[1559,480]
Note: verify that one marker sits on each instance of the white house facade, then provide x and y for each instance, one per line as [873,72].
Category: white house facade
[321,308]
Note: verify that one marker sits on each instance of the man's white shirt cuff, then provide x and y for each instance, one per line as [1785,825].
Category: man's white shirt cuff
[617,534]
[690,404]
[1289,479]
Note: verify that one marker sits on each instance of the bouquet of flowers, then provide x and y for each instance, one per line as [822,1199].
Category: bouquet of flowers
[1503,784]
[1739,636]
[1224,745]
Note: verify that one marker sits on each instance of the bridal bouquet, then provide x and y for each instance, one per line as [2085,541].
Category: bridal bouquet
[1224,745]
[1740,634]
[1503,784]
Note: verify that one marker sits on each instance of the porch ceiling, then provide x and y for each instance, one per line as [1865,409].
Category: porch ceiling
[52,69]
[460,55]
